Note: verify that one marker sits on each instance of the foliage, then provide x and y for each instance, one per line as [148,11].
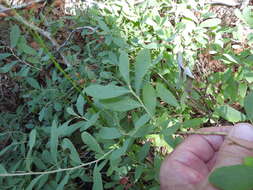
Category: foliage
[126,92]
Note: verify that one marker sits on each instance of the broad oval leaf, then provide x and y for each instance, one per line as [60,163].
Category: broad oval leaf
[91,142]
[105,92]
[166,95]
[109,133]
[210,23]
[237,177]
[230,114]
[121,104]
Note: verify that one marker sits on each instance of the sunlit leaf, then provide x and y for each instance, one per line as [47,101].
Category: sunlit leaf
[238,177]
[230,114]
[210,23]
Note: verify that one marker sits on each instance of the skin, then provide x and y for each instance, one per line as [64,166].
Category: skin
[188,167]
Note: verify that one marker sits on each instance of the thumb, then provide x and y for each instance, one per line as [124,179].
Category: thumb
[237,145]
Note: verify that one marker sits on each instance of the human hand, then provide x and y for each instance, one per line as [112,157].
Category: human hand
[188,167]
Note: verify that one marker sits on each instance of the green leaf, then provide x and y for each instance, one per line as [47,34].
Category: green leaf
[231,58]
[124,66]
[31,143]
[42,113]
[28,50]
[248,15]
[105,92]
[194,123]
[14,35]
[63,182]
[80,104]
[4,56]
[210,23]
[248,161]
[166,95]
[143,152]
[237,177]
[103,26]
[97,179]
[121,151]
[142,120]
[32,139]
[54,141]
[90,122]
[33,182]
[7,67]
[91,142]
[248,105]
[71,111]
[138,172]
[109,133]
[33,83]
[74,156]
[121,104]
[230,114]
[149,98]
[2,171]
[143,62]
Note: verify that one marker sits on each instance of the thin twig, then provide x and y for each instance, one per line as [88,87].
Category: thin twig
[21,6]
[223,3]
[75,30]
[19,59]
[200,133]
[54,171]
[43,33]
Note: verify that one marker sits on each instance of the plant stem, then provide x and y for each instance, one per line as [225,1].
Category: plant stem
[54,171]
[200,133]
[140,101]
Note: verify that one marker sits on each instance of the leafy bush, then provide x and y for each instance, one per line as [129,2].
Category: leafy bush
[131,84]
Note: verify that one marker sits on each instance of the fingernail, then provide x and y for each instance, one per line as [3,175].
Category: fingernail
[243,131]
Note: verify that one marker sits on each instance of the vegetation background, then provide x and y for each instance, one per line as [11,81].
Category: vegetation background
[93,94]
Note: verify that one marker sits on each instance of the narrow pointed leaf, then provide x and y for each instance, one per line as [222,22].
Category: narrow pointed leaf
[248,105]
[105,92]
[124,66]
[143,62]
[166,95]
[149,98]
[91,142]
